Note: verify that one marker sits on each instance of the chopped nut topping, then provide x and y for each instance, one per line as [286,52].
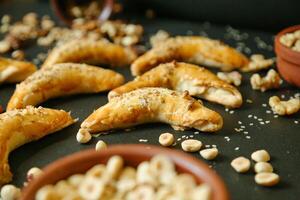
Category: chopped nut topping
[231,77]
[257,63]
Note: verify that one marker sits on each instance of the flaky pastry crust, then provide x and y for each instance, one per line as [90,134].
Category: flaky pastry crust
[13,71]
[148,105]
[192,49]
[180,76]
[21,126]
[91,52]
[61,80]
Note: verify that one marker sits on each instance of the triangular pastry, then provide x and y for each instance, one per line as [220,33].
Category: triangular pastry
[180,76]
[191,49]
[148,105]
[61,80]
[21,126]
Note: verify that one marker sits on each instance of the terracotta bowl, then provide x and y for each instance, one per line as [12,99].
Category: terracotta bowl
[59,8]
[133,154]
[288,61]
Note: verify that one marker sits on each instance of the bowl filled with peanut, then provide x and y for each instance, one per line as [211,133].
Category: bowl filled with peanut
[130,171]
[287,48]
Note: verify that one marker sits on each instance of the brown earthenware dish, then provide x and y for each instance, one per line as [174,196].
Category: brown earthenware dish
[133,154]
[288,60]
[60,9]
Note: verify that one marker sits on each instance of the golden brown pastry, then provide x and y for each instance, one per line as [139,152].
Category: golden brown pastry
[61,80]
[180,76]
[148,105]
[91,52]
[20,126]
[192,49]
[13,71]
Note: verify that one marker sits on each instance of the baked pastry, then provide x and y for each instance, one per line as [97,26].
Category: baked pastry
[192,49]
[20,126]
[153,105]
[180,76]
[61,80]
[91,52]
[13,71]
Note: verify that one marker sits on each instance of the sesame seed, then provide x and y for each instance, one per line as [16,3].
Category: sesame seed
[296,122]
[178,139]
[267,122]
[226,109]
[262,123]
[255,117]
[213,145]
[275,116]
[245,132]
[251,124]
[143,140]
[243,127]
[260,119]
[264,105]
[249,116]
[239,122]
[249,101]
[268,111]
[237,148]
[231,112]
[248,137]
[196,132]
[207,145]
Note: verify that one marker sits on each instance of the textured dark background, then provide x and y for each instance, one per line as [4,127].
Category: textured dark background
[280,137]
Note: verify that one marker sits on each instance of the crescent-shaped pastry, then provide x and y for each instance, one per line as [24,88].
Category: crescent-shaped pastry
[13,71]
[61,80]
[179,76]
[20,126]
[192,49]
[91,52]
[148,105]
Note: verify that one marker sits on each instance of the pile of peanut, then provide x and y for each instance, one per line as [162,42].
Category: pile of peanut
[291,40]
[154,179]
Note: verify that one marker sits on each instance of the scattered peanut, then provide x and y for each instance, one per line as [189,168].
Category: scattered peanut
[284,107]
[231,77]
[270,81]
[257,63]
[267,179]
[241,164]
[209,154]
[83,136]
[166,139]
[263,167]
[260,156]
[191,145]
[100,145]
[10,192]
[33,173]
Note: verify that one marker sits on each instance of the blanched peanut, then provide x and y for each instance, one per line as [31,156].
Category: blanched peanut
[241,164]
[166,139]
[83,136]
[209,154]
[258,62]
[163,168]
[270,81]
[145,174]
[202,192]
[267,179]
[231,77]
[191,145]
[100,145]
[47,193]
[91,188]
[97,171]
[159,37]
[184,184]
[143,192]
[263,167]
[75,180]
[33,173]
[284,107]
[260,156]
[114,166]
[287,39]
[10,192]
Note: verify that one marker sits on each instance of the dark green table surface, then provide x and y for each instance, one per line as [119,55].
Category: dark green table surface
[280,137]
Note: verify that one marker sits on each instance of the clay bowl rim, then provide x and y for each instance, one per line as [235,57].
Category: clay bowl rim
[284,52]
[104,15]
[187,162]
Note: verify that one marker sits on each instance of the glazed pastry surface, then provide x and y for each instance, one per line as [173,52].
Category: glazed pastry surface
[180,76]
[148,105]
[20,126]
[91,52]
[61,80]
[13,71]
[191,49]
